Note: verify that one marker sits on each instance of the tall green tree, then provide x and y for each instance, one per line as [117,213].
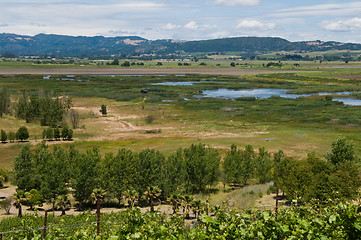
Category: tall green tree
[24,173]
[263,163]
[21,107]
[247,166]
[149,167]
[118,173]
[52,171]
[175,173]
[4,101]
[202,166]
[3,136]
[56,134]
[85,178]
[231,165]
[11,136]
[22,134]
[342,151]
[239,165]
[321,170]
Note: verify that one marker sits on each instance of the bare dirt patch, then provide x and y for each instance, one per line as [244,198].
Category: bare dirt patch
[170,71]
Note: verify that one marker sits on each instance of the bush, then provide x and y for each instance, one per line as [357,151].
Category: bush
[6,205]
[103,109]
[246,99]
[149,119]
[328,98]
[126,64]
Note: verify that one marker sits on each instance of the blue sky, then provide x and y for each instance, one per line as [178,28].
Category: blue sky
[326,20]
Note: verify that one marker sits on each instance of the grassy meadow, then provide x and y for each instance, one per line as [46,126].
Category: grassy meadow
[296,126]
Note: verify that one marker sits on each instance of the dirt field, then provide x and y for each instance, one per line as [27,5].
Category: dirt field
[79,71]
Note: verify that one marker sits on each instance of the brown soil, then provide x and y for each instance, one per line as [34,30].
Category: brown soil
[210,71]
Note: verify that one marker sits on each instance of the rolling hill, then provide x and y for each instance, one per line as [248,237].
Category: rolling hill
[80,46]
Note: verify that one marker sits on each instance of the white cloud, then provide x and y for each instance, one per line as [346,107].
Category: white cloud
[348,25]
[192,25]
[221,34]
[336,9]
[237,2]
[171,26]
[255,25]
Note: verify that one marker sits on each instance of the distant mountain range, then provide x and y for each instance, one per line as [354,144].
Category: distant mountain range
[60,45]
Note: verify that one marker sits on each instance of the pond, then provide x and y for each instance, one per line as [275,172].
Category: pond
[190,83]
[186,83]
[349,101]
[263,93]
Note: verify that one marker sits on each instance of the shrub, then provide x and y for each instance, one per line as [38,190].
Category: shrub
[103,109]
[6,205]
[126,64]
[149,119]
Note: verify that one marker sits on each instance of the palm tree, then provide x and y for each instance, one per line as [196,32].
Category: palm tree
[63,203]
[175,201]
[131,196]
[197,206]
[151,195]
[19,199]
[98,194]
[187,201]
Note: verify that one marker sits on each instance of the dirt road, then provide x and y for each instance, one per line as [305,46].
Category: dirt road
[143,71]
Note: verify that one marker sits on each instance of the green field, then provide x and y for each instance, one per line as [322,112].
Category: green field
[180,118]
[295,125]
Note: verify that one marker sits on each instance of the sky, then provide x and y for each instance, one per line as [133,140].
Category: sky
[326,20]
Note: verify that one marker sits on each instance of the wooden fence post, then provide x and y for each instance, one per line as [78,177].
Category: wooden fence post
[276,210]
[45,223]
[98,215]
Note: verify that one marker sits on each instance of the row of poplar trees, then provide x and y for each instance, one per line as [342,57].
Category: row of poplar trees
[56,172]
[189,170]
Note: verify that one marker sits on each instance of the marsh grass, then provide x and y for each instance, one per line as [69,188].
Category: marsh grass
[295,125]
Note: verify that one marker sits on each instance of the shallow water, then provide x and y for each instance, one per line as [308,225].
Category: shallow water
[263,93]
[348,101]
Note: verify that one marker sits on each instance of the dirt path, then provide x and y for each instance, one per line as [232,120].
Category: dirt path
[151,71]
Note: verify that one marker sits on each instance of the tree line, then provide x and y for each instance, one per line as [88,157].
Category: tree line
[148,176]
[50,172]
[21,134]
[47,110]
